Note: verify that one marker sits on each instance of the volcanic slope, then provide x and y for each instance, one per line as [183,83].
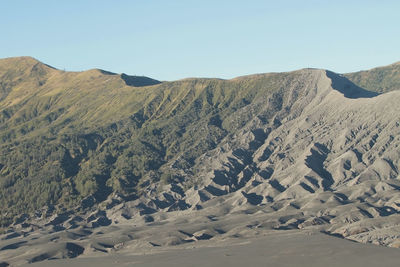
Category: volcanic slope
[73,137]
[193,160]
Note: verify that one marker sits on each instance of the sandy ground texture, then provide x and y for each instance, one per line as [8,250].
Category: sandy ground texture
[291,248]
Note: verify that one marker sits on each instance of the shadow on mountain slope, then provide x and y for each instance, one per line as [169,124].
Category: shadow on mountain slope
[138,81]
[347,88]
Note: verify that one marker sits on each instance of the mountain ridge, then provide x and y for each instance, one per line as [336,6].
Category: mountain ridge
[307,149]
[356,77]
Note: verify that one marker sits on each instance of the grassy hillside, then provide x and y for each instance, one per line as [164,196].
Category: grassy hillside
[69,135]
[382,79]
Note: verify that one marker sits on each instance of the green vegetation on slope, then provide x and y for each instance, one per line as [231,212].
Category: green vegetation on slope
[381,80]
[69,135]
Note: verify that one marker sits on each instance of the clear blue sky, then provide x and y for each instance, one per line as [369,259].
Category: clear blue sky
[170,39]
